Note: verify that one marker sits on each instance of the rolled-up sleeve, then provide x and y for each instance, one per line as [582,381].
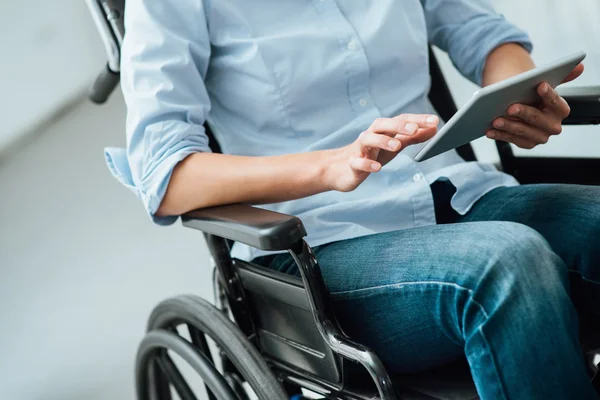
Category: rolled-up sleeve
[165,56]
[469,30]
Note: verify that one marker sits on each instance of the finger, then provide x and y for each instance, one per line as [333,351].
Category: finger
[423,120]
[534,117]
[554,101]
[576,73]
[370,139]
[520,129]
[392,126]
[364,164]
[421,136]
[398,125]
[510,138]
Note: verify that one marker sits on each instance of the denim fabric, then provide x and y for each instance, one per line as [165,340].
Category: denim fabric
[504,285]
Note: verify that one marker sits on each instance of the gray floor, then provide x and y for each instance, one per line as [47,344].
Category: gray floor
[81,266]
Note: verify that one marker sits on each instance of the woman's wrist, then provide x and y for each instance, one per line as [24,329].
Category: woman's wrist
[322,169]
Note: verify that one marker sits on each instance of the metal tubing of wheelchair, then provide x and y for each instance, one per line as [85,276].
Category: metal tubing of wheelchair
[158,340]
[317,291]
[169,368]
[112,46]
[220,253]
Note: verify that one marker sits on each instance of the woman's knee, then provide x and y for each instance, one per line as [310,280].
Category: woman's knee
[521,250]
[568,215]
[576,235]
[522,264]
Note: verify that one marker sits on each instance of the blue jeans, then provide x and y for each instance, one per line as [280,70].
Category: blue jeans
[506,285]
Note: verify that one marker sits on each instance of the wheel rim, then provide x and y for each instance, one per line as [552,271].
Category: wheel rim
[154,346]
[203,319]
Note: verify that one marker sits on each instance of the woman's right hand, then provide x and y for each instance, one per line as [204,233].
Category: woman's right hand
[350,165]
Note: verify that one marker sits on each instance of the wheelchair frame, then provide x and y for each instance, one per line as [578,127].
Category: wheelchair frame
[239,286]
[237,274]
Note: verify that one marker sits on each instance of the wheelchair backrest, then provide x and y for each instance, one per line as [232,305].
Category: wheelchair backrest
[286,330]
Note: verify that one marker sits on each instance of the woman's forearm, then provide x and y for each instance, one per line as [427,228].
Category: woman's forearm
[506,61]
[207,179]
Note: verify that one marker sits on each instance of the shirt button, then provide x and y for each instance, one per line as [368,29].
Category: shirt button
[362,102]
[417,177]
[352,45]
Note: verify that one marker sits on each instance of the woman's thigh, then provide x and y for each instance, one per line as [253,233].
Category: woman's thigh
[411,295]
[568,216]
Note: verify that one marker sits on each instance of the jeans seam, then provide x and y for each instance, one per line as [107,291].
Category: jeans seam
[415,283]
[409,283]
[583,277]
[494,364]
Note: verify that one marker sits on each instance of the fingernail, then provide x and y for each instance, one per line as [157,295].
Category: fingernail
[499,123]
[545,88]
[432,119]
[411,127]
[393,144]
[491,134]
[516,111]
[375,166]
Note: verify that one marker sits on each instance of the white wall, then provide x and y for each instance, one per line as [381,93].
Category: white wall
[50,53]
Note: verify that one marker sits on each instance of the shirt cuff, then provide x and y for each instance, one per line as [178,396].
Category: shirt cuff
[155,184]
[158,182]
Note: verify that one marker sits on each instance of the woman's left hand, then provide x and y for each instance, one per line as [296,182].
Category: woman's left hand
[527,126]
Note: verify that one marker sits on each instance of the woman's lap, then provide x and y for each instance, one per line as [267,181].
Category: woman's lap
[567,216]
[408,293]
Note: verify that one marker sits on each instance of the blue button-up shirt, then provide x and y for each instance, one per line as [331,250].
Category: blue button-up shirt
[284,76]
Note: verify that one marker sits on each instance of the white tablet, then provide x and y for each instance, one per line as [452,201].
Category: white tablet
[474,119]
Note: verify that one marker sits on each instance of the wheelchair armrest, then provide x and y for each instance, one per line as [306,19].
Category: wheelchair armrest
[584,103]
[256,227]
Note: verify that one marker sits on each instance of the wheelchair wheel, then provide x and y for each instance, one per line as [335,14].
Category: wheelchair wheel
[155,370]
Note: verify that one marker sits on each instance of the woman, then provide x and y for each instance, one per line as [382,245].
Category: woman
[318,105]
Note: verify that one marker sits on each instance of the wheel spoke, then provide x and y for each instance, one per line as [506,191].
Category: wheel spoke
[230,339]
[161,340]
[168,367]
[158,383]
[199,340]
[237,385]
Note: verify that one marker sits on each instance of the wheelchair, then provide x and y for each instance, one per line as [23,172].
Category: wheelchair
[277,334]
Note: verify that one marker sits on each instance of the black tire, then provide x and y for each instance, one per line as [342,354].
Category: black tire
[195,311]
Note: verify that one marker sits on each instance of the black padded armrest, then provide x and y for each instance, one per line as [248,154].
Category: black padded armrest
[584,103]
[256,227]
